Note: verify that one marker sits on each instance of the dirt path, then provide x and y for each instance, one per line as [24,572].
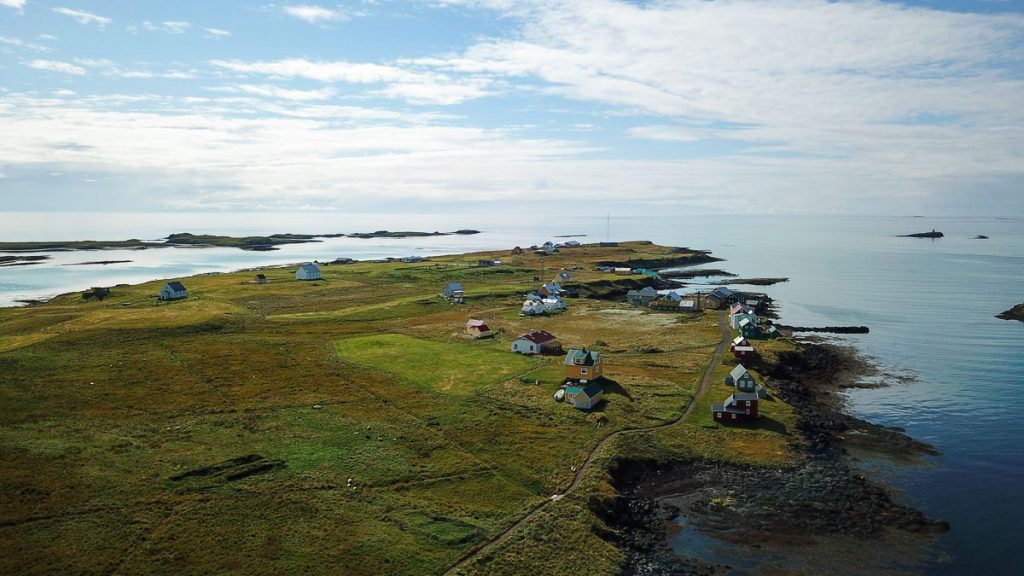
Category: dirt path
[705,383]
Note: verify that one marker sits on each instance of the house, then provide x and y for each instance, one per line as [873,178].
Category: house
[582,365]
[736,408]
[308,271]
[571,244]
[584,397]
[674,296]
[563,276]
[608,244]
[744,381]
[478,329]
[749,329]
[549,247]
[453,291]
[412,259]
[551,289]
[553,303]
[517,251]
[642,297]
[261,279]
[484,263]
[173,291]
[741,349]
[689,305]
[535,342]
[532,308]
[771,332]
[344,261]
[738,313]
[719,298]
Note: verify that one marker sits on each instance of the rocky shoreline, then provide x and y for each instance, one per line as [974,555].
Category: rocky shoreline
[820,499]
[1015,313]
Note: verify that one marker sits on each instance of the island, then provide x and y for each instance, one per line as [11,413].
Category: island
[251,243]
[932,234]
[22,260]
[1015,313]
[379,416]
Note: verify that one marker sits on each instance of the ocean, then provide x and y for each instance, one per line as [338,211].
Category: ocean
[955,371]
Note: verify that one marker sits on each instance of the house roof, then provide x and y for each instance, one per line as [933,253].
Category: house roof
[538,336]
[722,292]
[581,357]
[476,323]
[745,322]
[552,287]
[739,341]
[573,389]
[176,286]
[593,389]
[676,296]
[310,267]
[738,372]
[741,396]
[453,286]
[648,291]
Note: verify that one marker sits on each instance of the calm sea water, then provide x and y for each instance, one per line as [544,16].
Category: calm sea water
[930,305]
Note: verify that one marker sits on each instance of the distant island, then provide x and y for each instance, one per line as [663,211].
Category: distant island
[21,260]
[1015,313]
[251,243]
[932,234]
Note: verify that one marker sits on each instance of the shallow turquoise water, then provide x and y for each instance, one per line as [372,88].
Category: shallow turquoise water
[930,305]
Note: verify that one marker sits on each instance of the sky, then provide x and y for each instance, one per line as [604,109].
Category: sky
[514,106]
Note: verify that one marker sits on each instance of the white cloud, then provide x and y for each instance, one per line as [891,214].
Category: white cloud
[56,66]
[16,4]
[217,32]
[337,71]
[169,27]
[114,70]
[19,43]
[270,91]
[83,17]
[315,14]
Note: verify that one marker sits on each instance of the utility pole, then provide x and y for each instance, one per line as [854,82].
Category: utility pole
[608,229]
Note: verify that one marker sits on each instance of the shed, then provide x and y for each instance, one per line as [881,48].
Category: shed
[740,407]
[173,290]
[584,397]
[308,271]
[535,342]
[261,279]
[478,329]
[582,365]
[642,297]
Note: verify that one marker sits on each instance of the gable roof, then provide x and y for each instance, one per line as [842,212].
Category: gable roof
[648,291]
[552,287]
[581,357]
[176,286]
[722,292]
[310,267]
[538,336]
[738,372]
[453,286]
[476,323]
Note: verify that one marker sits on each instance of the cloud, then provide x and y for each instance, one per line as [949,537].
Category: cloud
[217,32]
[57,66]
[19,43]
[16,4]
[83,17]
[169,27]
[315,14]
[269,91]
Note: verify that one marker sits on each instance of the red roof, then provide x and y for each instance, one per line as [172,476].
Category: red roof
[475,323]
[538,337]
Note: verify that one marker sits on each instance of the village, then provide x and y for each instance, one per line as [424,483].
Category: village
[582,387]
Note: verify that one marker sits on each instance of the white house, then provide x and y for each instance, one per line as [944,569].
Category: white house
[173,291]
[534,342]
[532,308]
[553,303]
[412,259]
[478,329]
[308,271]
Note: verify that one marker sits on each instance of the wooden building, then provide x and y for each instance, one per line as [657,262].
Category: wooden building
[535,342]
[584,397]
[173,291]
[478,329]
[737,408]
[582,365]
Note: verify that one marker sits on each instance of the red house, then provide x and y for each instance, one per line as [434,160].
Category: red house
[741,349]
[737,408]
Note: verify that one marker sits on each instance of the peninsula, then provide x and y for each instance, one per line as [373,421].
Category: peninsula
[1015,313]
[358,418]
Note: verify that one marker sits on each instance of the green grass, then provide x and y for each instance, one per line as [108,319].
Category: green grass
[457,367]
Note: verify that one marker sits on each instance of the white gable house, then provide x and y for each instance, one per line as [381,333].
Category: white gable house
[308,271]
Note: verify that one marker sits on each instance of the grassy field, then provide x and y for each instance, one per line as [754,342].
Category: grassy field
[343,425]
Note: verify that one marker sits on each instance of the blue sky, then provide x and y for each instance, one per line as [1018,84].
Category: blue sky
[790,106]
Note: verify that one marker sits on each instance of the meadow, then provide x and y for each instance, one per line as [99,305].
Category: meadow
[345,425]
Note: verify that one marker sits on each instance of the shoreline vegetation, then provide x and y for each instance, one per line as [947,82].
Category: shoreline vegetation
[253,243]
[357,400]
[1015,313]
[932,234]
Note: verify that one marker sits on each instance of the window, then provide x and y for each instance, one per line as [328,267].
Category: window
[583,370]
[748,402]
[733,416]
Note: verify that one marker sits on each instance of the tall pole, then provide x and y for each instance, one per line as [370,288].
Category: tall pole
[608,229]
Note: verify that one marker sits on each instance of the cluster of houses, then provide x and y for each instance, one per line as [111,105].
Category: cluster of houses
[548,298]
[582,387]
[671,301]
[742,405]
